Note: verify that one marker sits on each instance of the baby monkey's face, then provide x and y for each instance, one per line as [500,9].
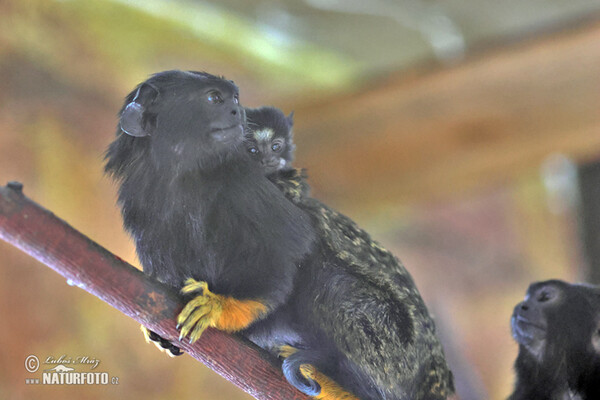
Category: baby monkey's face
[267,149]
[268,138]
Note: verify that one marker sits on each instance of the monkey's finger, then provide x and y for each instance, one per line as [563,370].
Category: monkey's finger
[198,315]
[190,281]
[192,318]
[171,351]
[192,285]
[184,317]
[174,351]
[189,308]
[161,344]
[308,371]
[285,351]
[185,329]
[199,329]
[158,346]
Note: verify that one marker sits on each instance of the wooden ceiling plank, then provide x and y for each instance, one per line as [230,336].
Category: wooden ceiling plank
[457,129]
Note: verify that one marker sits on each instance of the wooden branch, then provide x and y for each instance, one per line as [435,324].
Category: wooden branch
[85,264]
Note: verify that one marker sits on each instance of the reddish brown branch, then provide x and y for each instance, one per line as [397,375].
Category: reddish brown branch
[39,233]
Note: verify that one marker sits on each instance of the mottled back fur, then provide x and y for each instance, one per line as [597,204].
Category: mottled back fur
[356,311]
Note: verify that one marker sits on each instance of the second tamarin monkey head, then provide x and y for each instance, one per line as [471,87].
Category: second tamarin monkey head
[177,122]
[269,138]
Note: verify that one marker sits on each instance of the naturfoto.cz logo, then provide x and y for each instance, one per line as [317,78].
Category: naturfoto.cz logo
[64,371]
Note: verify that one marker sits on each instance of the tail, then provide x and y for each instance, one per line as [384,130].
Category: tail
[292,371]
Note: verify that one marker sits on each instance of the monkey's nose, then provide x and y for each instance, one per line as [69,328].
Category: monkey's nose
[234,112]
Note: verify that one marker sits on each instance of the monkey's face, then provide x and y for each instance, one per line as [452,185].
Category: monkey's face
[528,322]
[269,138]
[269,150]
[200,124]
[552,317]
[191,120]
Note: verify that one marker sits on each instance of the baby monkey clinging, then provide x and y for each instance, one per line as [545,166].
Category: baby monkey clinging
[355,308]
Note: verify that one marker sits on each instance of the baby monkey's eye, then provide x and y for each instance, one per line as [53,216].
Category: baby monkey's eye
[276,147]
[253,150]
[215,97]
[236,99]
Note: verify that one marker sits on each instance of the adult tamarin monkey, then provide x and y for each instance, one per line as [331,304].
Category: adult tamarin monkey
[207,221]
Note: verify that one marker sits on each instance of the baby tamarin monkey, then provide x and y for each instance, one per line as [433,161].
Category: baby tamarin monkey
[269,138]
[369,328]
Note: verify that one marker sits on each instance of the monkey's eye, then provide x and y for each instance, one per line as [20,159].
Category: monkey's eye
[236,99]
[276,147]
[214,97]
[253,150]
[544,296]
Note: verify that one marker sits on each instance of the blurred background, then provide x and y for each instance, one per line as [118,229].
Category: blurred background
[462,134]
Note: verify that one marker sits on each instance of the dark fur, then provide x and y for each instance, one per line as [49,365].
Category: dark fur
[557,327]
[356,312]
[192,199]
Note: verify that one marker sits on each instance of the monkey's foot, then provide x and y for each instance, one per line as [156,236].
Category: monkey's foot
[162,344]
[329,389]
[306,378]
[285,351]
[214,310]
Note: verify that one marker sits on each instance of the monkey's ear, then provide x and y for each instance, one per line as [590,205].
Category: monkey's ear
[290,119]
[132,120]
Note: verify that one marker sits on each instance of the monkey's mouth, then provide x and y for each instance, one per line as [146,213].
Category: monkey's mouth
[524,330]
[524,321]
[228,134]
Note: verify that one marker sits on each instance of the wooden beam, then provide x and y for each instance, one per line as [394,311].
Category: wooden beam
[458,129]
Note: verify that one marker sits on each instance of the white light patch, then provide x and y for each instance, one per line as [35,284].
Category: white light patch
[263,135]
